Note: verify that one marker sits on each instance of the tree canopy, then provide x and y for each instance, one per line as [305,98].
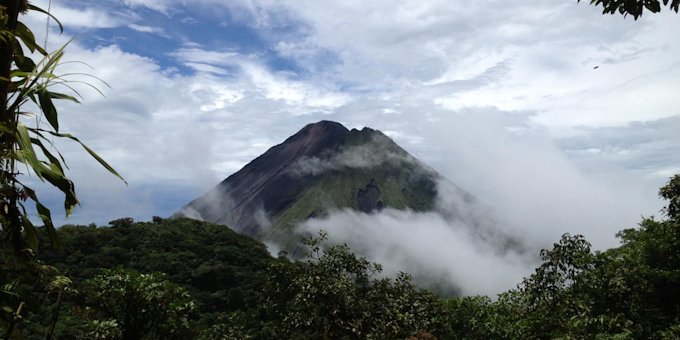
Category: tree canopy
[634,7]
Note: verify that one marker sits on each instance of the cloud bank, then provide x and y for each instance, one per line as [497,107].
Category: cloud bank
[443,254]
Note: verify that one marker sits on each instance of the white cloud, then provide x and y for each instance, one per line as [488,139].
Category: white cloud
[435,251]
[156,5]
[551,51]
[194,54]
[147,29]
[70,17]
[254,75]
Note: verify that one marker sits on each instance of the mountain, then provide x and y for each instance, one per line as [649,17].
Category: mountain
[322,167]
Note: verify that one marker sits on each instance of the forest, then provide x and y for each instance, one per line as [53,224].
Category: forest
[181,278]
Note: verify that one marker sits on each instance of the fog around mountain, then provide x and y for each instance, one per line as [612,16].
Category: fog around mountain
[454,243]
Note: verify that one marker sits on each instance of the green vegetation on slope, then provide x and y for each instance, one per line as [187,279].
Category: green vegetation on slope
[222,271]
[223,268]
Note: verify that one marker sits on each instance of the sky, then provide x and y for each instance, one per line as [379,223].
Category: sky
[558,118]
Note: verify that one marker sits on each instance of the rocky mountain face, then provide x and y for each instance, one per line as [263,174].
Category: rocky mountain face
[323,167]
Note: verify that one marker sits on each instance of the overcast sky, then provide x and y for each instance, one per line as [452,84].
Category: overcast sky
[562,119]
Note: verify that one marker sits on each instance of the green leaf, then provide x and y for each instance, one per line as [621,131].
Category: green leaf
[30,233]
[64,185]
[44,215]
[48,108]
[55,164]
[28,38]
[17,50]
[53,175]
[26,154]
[27,65]
[90,151]
[41,136]
[56,95]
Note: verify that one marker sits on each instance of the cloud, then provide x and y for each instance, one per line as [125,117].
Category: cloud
[636,146]
[85,17]
[437,252]
[193,54]
[147,29]
[156,5]
[262,81]
[546,52]
[537,191]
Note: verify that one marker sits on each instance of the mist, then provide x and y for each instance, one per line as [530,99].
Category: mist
[458,248]
[437,252]
[535,190]
[377,151]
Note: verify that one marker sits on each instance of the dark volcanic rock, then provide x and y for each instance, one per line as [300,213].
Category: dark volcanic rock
[368,197]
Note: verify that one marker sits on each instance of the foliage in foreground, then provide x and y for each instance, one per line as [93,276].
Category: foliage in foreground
[336,295]
[29,126]
[140,305]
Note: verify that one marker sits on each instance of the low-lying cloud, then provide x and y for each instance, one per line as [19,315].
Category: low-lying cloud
[437,252]
[457,248]
[375,152]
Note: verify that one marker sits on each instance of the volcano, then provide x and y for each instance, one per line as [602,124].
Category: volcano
[322,168]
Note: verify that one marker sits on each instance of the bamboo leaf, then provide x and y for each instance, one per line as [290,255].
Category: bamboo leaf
[90,151]
[30,233]
[48,108]
[28,38]
[18,56]
[48,63]
[26,152]
[44,215]
[20,74]
[41,136]
[54,162]
[65,185]
[27,65]
[56,95]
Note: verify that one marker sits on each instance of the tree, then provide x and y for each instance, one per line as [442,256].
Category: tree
[671,192]
[140,305]
[634,7]
[334,295]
